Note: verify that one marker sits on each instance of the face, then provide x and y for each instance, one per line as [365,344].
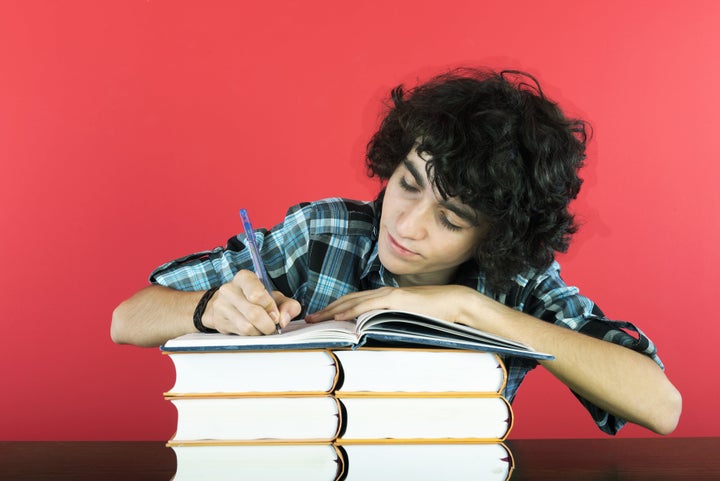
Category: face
[423,237]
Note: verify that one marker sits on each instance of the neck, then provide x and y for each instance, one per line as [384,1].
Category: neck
[427,279]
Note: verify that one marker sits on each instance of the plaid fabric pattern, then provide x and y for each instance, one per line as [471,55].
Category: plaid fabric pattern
[326,249]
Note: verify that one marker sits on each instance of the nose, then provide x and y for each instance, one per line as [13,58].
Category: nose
[412,221]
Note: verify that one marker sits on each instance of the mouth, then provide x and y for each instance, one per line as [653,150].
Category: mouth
[399,249]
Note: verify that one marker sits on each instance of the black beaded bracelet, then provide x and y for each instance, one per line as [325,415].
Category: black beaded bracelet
[200,310]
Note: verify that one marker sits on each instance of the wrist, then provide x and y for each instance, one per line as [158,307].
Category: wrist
[483,313]
[200,311]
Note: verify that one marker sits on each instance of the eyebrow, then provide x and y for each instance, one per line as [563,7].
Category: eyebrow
[462,212]
[419,180]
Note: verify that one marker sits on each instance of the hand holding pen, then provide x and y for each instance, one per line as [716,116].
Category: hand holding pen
[247,305]
[256,258]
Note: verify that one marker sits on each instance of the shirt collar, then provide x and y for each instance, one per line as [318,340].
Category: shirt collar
[374,275]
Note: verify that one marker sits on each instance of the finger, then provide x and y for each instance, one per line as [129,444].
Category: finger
[352,305]
[331,310]
[243,306]
[288,308]
[354,298]
[255,293]
[260,319]
[229,320]
[243,317]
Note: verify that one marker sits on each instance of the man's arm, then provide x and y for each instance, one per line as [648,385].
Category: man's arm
[242,306]
[619,380]
[154,315]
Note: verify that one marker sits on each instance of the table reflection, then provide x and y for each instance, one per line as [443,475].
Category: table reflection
[609,459]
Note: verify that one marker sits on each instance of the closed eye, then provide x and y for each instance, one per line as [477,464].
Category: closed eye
[406,186]
[442,216]
[447,224]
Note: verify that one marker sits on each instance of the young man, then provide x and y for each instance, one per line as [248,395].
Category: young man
[479,168]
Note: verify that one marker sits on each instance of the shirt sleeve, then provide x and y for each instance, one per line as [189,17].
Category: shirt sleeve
[198,271]
[282,247]
[554,301]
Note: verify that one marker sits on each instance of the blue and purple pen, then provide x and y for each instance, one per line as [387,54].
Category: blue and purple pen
[255,254]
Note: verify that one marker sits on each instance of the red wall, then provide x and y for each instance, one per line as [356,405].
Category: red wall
[132,131]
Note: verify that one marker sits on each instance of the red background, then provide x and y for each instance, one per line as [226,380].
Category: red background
[132,131]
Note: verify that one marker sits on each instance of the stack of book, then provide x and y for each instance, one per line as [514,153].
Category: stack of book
[310,404]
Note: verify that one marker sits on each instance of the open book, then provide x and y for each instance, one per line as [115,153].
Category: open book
[379,327]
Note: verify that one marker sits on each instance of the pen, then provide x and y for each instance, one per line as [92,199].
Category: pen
[255,254]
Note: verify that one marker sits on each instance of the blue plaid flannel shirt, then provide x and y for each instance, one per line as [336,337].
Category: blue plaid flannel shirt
[326,249]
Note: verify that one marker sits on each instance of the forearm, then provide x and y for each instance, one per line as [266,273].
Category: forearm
[614,378]
[153,315]
[617,379]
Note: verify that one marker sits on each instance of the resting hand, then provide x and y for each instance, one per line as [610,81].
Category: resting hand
[243,306]
[435,301]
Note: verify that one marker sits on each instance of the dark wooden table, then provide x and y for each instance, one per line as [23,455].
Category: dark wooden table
[657,459]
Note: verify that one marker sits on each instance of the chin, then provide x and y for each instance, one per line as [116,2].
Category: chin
[391,263]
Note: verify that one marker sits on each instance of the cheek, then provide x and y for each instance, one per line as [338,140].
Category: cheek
[393,206]
[461,249]
[388,202]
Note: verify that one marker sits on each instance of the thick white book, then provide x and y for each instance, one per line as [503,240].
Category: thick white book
[268,419]
[426,417]
[349,462]
[395,418]
[225,373]
[279,462]
[428,462]
[419,371]
[221,372]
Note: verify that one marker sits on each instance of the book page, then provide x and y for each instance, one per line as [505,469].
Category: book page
[296,334]
[408,327]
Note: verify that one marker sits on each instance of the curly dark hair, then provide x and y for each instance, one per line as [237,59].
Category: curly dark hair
[493,140]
